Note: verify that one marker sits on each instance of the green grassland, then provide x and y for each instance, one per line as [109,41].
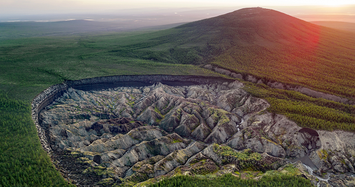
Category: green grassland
[230,180]
[30,65]
[13,30]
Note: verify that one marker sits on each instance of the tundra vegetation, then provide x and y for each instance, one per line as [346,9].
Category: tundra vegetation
[311,56]
[230,180]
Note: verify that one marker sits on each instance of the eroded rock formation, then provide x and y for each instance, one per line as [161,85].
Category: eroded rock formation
[137,133]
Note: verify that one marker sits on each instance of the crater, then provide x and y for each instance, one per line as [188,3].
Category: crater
[110,133]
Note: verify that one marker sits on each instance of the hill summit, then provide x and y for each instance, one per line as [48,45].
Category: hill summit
[250,26]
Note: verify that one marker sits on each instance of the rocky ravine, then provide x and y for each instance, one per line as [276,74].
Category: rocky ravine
[136,133]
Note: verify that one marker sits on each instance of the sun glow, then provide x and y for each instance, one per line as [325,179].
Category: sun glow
[333,3]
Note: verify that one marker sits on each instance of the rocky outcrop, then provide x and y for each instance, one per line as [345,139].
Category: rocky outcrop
[49,95]
[213,111]
[122,127]
[337,152]
[277,136]
[140,132]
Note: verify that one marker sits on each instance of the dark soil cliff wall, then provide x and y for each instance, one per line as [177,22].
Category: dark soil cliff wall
[47,96]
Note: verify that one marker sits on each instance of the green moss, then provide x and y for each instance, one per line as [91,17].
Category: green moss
[157,111]
[292,170]
[146,183]
[224,119]
[193,162]
[130,103]
[138,177]
[245,155]
[178,171]
[158,120]
[99,170]
[75,153]
[219,115]
[130,100]
[84,160]
[177,141]
[106,182]
[323,154]
[269,140]
[202,169]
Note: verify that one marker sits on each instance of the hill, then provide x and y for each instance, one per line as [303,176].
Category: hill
[262,42]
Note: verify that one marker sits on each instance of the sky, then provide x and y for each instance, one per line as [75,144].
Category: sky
[12,8]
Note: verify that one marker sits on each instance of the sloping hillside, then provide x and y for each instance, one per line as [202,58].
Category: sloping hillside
[262,42]
[346,26]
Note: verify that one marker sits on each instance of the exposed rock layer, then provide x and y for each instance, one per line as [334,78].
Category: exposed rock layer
[149,131]
[50,94]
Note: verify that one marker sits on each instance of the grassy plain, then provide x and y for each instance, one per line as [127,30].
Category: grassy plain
[31,64]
